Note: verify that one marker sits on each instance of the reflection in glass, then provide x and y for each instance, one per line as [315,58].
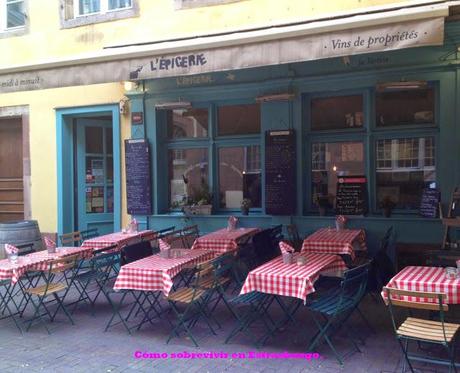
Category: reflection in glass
[110,199]
[239,176]
[89,6]
[405,167]
[108,141]
[340,112]
[238,120]
[94,140]
[95,200]
[187,123]
[330,161]
[188,176]
[94,170]
[119,4]
[15,14]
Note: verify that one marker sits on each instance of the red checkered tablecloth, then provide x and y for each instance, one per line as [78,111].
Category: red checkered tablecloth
[223,240]
[117,238]
[426,279]
[37,261]
[291,280]
[155,273]
[332,241]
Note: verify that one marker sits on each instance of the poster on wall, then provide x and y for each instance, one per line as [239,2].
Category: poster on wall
[138,177]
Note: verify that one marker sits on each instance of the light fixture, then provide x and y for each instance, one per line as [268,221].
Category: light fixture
[276,97]
[123,106]
[130,85]
[173,105]
[403,85]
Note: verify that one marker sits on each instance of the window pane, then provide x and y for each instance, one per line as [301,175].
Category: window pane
[109,199]
[117,4]
[188,176]
[404,168]
[94,200]
[400,108]
[330,161]
[15,14]
[108,141]
[94,170]
[331,113]
[94,140]
[238,120]
[187,123]
[239,176]
[89,6]
[109,172]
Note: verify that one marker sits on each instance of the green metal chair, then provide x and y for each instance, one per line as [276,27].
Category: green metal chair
[422,330]
[7,299]
[89,233]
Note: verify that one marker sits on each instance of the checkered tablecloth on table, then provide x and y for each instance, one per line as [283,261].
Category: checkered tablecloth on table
[332,241]
[117,238]
[426,279]
[223,240]
[291,280]
[155,273]
[37,261]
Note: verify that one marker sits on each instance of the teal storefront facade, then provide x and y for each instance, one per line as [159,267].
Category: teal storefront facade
[350,78]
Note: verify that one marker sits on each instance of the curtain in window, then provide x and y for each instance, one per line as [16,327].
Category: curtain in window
[15,13]
[89,6]
[116,4]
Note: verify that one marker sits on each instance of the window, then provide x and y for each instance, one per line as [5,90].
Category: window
[240,176]
[238,120]
[13,14]
[339,112]
[85,7]
[183,123]
[185,4]
[405,166]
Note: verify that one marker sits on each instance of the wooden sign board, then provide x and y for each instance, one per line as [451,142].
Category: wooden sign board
[351,197]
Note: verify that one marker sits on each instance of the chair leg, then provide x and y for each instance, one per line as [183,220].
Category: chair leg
[6,307]
[61,305]
[37,314]
[406,357]
[116,312]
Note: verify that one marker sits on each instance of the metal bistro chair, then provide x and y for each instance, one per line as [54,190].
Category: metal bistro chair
[336,307]
[189,235]
[89,233]
[135,251]
[421,330]
[7,299]
[294,237]
[154,236]
[70,239]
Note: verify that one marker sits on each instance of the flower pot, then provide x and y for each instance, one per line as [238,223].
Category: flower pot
[245,211]
[387,212]
[322,211]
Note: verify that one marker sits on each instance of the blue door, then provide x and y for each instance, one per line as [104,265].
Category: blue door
[94,174]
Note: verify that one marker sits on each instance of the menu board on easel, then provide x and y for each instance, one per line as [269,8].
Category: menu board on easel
[280,172]
[138,178]
[351,197]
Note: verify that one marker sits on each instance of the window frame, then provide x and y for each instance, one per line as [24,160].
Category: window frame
[12,31]
[104,8]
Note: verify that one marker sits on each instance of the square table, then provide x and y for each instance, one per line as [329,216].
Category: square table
[223,240]
[155,273]
[426,279]
[332,241]
[292,280]
[119,239]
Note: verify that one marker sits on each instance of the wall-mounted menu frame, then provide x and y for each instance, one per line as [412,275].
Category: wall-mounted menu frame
[138,177]
[351,197]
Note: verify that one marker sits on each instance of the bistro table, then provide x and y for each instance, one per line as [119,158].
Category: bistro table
[223,240]
[333,241]
[426,279]
[155,273]
[118,239]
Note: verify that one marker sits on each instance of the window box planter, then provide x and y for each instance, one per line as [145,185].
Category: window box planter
[198,210]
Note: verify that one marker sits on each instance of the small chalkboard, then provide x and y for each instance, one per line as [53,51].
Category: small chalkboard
[351,197]
[280,172]
[429,204]
[138,180]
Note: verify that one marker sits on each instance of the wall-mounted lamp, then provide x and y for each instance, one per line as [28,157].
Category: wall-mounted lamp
[123,106]
[395,86]
[130,85]
[276,97]
[173,105]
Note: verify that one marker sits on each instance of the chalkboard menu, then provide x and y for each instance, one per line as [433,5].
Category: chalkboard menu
[351,197]
[138,181]
[429,204]
[280,172]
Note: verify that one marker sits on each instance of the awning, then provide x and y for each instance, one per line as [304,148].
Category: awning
[358,34]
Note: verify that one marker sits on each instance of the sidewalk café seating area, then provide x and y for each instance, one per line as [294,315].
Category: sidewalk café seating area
[248,287]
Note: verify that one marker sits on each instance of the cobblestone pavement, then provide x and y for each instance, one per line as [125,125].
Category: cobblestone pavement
[85,347]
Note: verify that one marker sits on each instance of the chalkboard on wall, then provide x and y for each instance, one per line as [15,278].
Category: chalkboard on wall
[351,197]
[429,204]
[138,178]
[280,172]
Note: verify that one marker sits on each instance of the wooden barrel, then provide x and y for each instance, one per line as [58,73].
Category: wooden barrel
[18,233]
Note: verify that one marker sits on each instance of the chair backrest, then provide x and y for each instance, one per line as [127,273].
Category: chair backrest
[136,251]
[294,236]
[173,239]
[223,265]
[25,248]
[387,239]
[353,287]
[262,245]
[189,235]
[89,233]
[106,262]
[165,231]
[70,239]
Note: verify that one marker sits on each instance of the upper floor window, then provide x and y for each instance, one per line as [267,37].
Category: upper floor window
[14,15]
[85,7]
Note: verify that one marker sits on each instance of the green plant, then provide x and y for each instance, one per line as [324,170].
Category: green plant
[202,196]
[387,203]
[246,203]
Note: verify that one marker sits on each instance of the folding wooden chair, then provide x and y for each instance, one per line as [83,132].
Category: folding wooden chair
[422,330]
[65,266]
[89,233]
[70,239]
[189,235]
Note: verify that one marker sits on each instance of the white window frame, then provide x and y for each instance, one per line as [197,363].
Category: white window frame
[104,8]
[4,16]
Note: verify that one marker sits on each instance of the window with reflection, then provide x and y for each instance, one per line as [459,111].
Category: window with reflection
[238,120]
[405,166]
[336,113]
[187,123]
[331,160]
[405,107]
[239,176]
[188,176]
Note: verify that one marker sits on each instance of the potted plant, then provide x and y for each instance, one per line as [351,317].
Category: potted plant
[387,205]
[323,202]
[200,201]
[245,206]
